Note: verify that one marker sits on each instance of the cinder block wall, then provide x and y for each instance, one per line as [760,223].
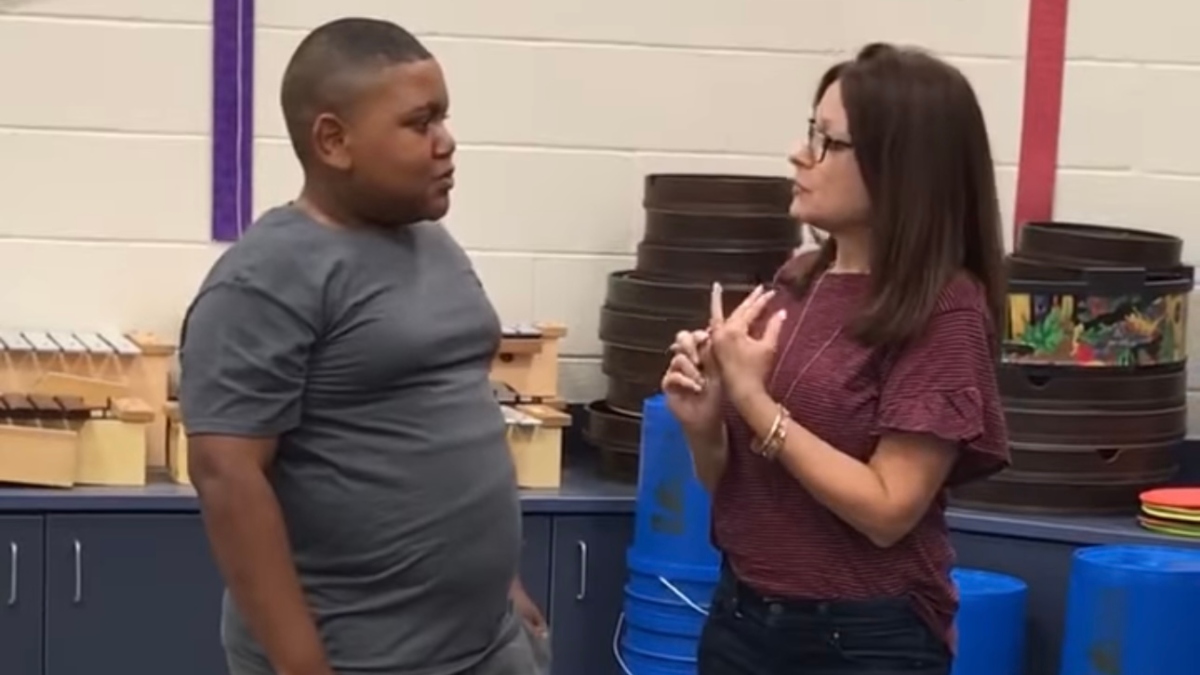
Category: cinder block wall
[561,106]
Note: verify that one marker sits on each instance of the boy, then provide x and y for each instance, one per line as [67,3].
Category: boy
[348,452]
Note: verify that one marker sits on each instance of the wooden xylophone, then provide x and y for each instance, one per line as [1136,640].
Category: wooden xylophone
[64,440]
[96,370]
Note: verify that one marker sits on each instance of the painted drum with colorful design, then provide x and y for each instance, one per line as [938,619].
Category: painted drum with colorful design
[1096,317]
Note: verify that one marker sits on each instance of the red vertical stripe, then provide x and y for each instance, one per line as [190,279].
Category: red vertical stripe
[1045,59]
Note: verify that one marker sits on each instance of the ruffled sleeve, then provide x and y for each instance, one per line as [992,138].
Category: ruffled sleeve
[944,384]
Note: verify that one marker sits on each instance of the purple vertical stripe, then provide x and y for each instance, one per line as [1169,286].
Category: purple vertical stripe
[233,117]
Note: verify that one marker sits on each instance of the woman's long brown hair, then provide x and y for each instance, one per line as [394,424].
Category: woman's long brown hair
[922,147]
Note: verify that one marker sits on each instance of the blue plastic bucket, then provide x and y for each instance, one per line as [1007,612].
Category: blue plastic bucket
[990,622]
[664,627]
[673,567]
[1130,611]
[672,514]
[638,662]
[646,576]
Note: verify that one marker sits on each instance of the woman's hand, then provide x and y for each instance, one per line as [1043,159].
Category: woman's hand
[692,383]
[744,360]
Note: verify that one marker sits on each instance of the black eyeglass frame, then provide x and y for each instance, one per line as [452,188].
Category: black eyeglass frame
[820,143]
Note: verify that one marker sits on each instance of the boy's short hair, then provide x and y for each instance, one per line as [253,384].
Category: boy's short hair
[330,66]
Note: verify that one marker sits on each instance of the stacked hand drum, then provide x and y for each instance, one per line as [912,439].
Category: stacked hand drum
[700,229]
[1093,370]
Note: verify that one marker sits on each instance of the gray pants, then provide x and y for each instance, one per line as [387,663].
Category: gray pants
[515,657]
[518,657]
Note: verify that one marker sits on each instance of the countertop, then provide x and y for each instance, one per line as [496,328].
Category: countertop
[585,491]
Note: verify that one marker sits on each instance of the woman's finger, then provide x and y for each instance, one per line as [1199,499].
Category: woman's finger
[686,344]
[741,308]
[716,307]
[688,367]
[751,311]
[751,307]
[707,360]
[771,333]
[677,381]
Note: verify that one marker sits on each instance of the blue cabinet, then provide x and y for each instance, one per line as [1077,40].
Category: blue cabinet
[21,588]
[136,594]
[535,559]
[139,594]
[587,591]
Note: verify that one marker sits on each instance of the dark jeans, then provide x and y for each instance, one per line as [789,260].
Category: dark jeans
[747,634]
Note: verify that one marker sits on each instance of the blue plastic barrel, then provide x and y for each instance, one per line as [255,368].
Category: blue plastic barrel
[672,517]
[1130,610]
[990,622]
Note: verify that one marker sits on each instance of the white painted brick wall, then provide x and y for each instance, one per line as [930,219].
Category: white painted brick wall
[561,107]
[1130,146]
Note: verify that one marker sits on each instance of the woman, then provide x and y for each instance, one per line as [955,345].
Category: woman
[828,414]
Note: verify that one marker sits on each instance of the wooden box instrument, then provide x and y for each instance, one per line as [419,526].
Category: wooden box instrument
[535,439]
[177,445]
[60,441]
[97,367]
[527,361]
[535,435]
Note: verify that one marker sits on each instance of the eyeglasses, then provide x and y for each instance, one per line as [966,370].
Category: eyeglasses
[820,143]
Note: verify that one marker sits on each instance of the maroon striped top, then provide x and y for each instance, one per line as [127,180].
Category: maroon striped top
[779,539]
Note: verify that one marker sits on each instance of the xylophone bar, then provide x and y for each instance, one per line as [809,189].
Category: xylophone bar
[17,408]
[48,411]
[519,330]
[68,342]
[517,418]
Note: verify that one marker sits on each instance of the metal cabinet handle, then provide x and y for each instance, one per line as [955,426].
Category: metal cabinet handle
[14,555]
[78,573]
[583,571]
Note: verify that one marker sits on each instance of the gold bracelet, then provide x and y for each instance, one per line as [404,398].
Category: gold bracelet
[759,443]
[772,443]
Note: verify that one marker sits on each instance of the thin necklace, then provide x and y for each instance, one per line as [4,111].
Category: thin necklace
[812,295]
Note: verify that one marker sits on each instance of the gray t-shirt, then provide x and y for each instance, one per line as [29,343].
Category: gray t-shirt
[367,352]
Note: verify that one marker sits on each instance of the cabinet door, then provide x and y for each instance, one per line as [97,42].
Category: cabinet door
[21,584]
[535,560]
[587,591]
[135,594]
